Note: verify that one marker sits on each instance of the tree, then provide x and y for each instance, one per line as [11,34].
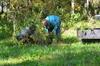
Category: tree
[72,4]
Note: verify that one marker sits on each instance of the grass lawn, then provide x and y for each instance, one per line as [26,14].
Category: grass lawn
[69,53]
[65,54]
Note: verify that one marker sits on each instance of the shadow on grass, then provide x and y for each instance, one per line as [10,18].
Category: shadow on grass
[4,35]
[90,41]
[71,58]
[9,49]
[9,52]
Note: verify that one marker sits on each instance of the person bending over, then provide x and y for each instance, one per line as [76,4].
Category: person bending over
[52,25]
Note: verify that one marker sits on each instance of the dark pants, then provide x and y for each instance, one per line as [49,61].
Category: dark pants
[50,36]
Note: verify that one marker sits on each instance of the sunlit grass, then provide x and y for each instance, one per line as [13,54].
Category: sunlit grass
[86,24]
[71,52]
[74,54]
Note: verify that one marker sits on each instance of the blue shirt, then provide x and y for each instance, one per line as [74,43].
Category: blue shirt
[54,20]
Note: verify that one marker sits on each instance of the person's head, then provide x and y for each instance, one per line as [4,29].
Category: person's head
[45,22]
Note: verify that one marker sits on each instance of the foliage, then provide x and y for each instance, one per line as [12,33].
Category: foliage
[70,52]
[74,18]
[22,13]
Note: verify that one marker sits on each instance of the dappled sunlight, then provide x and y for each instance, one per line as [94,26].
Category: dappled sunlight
[11,61]
[70,36]
[69,33]
[7,40]
[70,40]
[69,52]
[26,57]
[44,32]
[55,54]
[86,24]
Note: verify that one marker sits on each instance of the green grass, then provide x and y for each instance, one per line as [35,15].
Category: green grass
[68,54]
[71,52]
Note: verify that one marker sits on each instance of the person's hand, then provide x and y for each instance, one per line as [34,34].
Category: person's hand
[46,30]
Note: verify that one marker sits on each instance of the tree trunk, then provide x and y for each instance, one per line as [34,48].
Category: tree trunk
[87,8]
[72,4]
[14,29]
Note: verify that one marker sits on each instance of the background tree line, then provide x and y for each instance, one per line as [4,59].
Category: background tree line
[21,13]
